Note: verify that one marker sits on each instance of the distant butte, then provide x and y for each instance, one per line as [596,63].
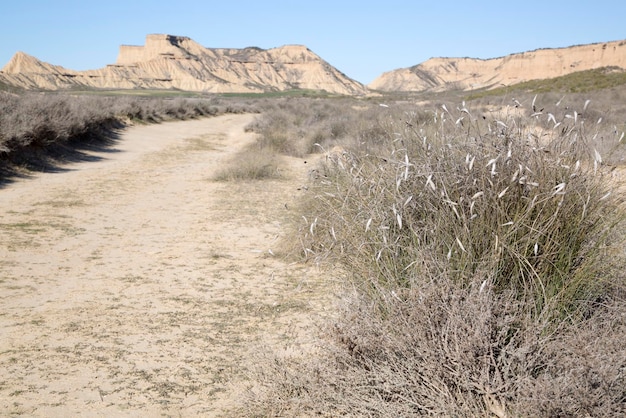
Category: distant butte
[177,62]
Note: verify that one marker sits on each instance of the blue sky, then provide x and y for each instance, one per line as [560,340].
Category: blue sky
[360,38]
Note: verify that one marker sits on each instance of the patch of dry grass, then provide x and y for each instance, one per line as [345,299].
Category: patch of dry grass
[297,126]
[252,163]
[292,127]
[482,255]
[47,122]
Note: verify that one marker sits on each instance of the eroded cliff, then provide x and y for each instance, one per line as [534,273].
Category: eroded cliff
[177,62]
[439,74]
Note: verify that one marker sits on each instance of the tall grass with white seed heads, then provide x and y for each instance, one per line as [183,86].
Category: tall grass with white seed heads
[505,206]
[484,261]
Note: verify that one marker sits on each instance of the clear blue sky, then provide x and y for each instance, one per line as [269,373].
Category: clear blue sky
[360,38]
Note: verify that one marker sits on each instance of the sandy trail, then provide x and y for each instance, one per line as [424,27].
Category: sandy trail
[136,286]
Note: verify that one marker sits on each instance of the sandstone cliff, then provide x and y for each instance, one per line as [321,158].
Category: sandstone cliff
[440,74]
[177,62]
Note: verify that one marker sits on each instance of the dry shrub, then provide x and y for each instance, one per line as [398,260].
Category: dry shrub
[43,122]
[507,204]
[485,264]
[451,351]
[584,370]
[41,119]
[300,126]
[252,163]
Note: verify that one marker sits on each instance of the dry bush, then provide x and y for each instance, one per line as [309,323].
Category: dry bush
[444,350]
[252,163]
[300,126]
[45,121]
[41,119]
[584,370]
[482,255]
[293,127]
[600,114]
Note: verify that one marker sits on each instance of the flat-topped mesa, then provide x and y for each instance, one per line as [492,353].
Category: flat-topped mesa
[440,74]
[178,62]
[157,46]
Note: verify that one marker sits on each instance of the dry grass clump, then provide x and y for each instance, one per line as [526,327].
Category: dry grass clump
[603,109]
[299,126]
[453,352]
[293,127]
[485,262]
[252,163]
[511,204]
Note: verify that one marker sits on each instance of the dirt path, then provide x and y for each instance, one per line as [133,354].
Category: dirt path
[136,286]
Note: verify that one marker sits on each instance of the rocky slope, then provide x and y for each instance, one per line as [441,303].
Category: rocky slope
[177,62]
[440,74]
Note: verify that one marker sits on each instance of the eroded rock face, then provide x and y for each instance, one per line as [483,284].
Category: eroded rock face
[177,62]
[439,74]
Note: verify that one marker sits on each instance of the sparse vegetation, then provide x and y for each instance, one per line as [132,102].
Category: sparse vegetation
[484,270]
[479,246]
[282,94]
[44,122]
[577,82]
[253,163]
[298,127]
[293,127]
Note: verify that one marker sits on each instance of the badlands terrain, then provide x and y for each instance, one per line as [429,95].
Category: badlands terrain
[179,63]
[134,284]
[440,74]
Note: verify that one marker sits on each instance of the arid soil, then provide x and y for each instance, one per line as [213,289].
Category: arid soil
[135,285]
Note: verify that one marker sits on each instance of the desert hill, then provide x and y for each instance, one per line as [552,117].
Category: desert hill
[441,74]
[177,62]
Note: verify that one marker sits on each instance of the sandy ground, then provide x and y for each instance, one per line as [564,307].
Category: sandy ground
[136,286]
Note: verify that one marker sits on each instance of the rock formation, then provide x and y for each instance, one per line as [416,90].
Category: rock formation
[440,74]
[177,62]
